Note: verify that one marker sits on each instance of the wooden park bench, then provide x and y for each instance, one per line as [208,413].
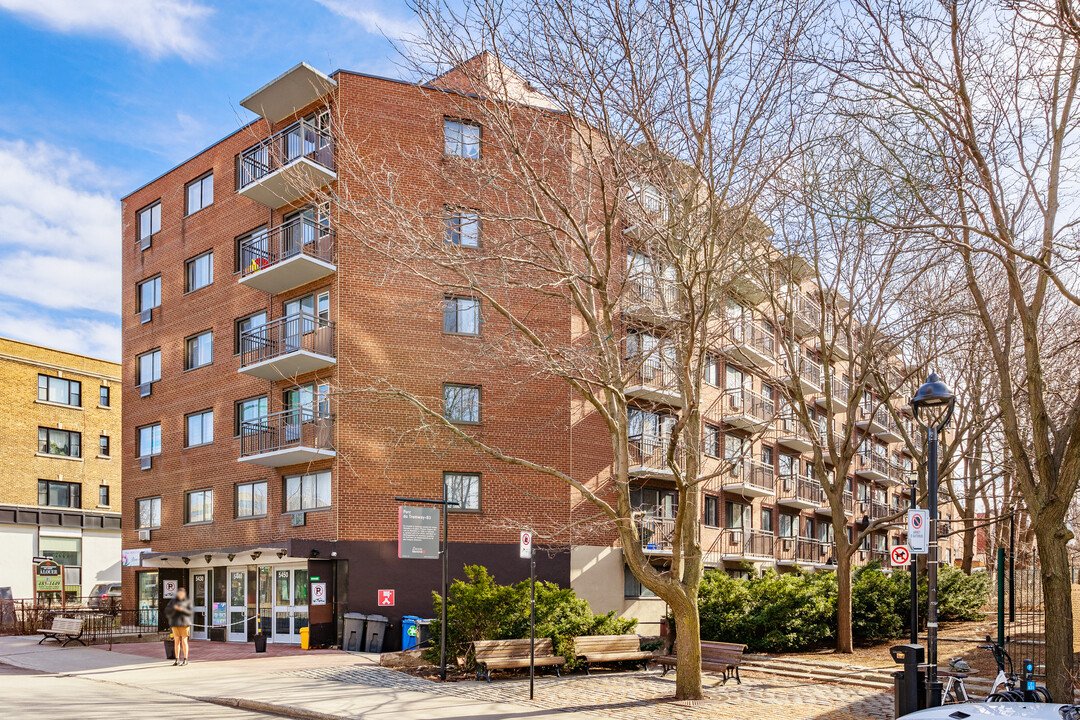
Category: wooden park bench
[504,654]
[70,628]
[725,657]
[609,648]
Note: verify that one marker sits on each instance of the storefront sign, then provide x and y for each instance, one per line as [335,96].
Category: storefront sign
[318,593]
[219,614]
[168,589]
[47,577]
[133,558]
[418,532]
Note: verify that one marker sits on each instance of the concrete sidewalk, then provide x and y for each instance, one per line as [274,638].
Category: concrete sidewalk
[288,685]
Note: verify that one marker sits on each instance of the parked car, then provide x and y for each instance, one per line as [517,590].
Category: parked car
[104,595]
[1017,711]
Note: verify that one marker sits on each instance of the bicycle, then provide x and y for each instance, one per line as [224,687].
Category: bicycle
[1005,684]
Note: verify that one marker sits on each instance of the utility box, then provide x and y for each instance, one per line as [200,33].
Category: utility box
[424,626]
[909,684]
[376,633]
[353,634]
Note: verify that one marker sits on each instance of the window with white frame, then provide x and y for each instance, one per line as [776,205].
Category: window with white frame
[461,138]
[463,228]
[307,492]
[199,350]
[58,390]
[199,506]
[461,403]
[150,440]
[148,513]
[200,428]
[464,489]
[199,272]
[461,315]
[251,499]
[200,193]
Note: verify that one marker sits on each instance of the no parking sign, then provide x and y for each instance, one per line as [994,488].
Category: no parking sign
[918,531]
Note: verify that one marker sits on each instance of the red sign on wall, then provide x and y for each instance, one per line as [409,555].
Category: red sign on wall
[386,598]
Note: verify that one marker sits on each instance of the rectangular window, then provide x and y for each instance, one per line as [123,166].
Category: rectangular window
[307,492]
[710,442]
[736,516]
[103,445]
[712,511]
[464,489]
[59,442]
[199,350]
[148,513]
[148,296]
[461,403]
[463,228]
[103,396]
[251,499]
[766,519]
[199,272]
[150,440]
[103,495]
[59,494]
[199,506]
[251,333]
[149,367]
[66,551]
[200,193]
[250,410]
[200,428]
[711,374]
[149,223]
[788,525]
[58,390]
[632,587]
[461,315]
[461,138]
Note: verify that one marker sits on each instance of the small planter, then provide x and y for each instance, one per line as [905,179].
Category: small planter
[260,643]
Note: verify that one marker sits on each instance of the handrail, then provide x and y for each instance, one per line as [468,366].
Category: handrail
[651,452]
[287,334]
[296,427]
[653,372]
[302,139]
[754,335]
[299,236]
[652,291]
[747,542]
[656,533]
[799,487]
[751,473]
[747,402]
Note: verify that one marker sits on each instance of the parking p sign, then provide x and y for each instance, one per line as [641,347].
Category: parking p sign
[918,531]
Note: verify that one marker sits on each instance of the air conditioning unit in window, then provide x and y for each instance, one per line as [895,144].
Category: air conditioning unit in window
[146,315]
[144,535]
[146,462]
[145,389]
[299,519]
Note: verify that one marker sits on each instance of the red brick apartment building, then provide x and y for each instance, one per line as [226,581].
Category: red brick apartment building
[254,480]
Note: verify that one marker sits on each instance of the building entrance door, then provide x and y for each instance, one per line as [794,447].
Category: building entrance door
[199,603]
[290,603]
[237,631]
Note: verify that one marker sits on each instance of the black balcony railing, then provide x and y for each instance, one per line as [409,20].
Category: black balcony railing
[799,487]
[293,428]
[751,473]
[754,543]
[299,236]
[749,404]
[302,139]
[288,334]
[656,533]
[651,452]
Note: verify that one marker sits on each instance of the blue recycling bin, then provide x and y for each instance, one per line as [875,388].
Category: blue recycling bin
[410,631]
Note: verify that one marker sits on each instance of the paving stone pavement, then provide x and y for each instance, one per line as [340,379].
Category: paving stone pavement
[639,695]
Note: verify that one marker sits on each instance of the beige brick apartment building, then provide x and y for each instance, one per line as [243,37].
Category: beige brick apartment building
[259,480]
[60,420]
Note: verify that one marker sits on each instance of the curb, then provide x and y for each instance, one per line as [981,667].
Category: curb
[268,708]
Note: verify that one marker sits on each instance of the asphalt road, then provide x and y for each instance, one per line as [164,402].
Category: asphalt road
[28,694]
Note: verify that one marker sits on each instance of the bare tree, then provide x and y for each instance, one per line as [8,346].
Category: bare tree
[976,105]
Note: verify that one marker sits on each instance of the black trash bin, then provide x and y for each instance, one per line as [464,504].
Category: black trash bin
[909,684]
[353,640]
[376,633]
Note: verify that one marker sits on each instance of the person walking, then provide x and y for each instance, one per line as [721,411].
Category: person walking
[178,612]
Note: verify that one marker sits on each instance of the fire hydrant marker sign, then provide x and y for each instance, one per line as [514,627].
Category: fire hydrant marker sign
[418,532]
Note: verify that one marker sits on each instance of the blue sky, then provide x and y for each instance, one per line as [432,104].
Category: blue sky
[98,97]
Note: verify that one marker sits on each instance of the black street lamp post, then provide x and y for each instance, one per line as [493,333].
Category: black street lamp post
[933,407]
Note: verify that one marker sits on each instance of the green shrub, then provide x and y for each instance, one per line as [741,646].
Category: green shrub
[723,607]
[874,613]
[481,609]
[960,596]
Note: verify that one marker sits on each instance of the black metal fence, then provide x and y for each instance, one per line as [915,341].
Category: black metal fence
[104,621]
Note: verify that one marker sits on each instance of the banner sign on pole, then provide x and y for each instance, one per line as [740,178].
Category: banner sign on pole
[418,532]
[918,531]
[525,549]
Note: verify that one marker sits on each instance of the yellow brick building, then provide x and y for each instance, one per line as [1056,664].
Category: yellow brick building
[59,468]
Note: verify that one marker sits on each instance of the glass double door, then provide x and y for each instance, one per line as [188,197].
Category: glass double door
[290,604]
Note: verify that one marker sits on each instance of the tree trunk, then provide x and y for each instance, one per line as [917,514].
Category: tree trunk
[844,642]
[1057,609]
[688,650]
[969,545]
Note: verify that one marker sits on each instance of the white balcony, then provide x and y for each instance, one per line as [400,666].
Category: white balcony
[799,491]
[752,545]
[806,375]
[289,93]
[872,467]
[653,381]
[747,410]
[791,434]
[289,165]
[751,344]
[878,422]
[750,479]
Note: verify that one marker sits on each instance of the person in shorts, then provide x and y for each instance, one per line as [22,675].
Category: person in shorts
[178,612]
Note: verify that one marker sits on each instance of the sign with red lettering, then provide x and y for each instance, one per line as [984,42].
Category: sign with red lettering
[386,598]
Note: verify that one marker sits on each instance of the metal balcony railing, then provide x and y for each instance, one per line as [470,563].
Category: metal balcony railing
[799,487]
[803,309]
[789,426]
[840,388]
[798,549]
[847,501]
[749,404]
[651,452]
[656,533]
[294,428]
[879,420]
[299,236]
[288,334]
[807,370]
[872,462]
[755,336]
[302,139]
[658,294]
[874,510]
[755,543]
[652,372]
[751,473]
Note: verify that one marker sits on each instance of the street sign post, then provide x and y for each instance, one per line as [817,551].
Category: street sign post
[525,550]
[918,531]
[901,555]
[418,532]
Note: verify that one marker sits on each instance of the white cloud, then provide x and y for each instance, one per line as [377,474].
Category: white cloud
[371,20]
[156,27]
[59,250]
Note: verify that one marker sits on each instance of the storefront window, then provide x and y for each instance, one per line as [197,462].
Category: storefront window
[67,552]
[148,606]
